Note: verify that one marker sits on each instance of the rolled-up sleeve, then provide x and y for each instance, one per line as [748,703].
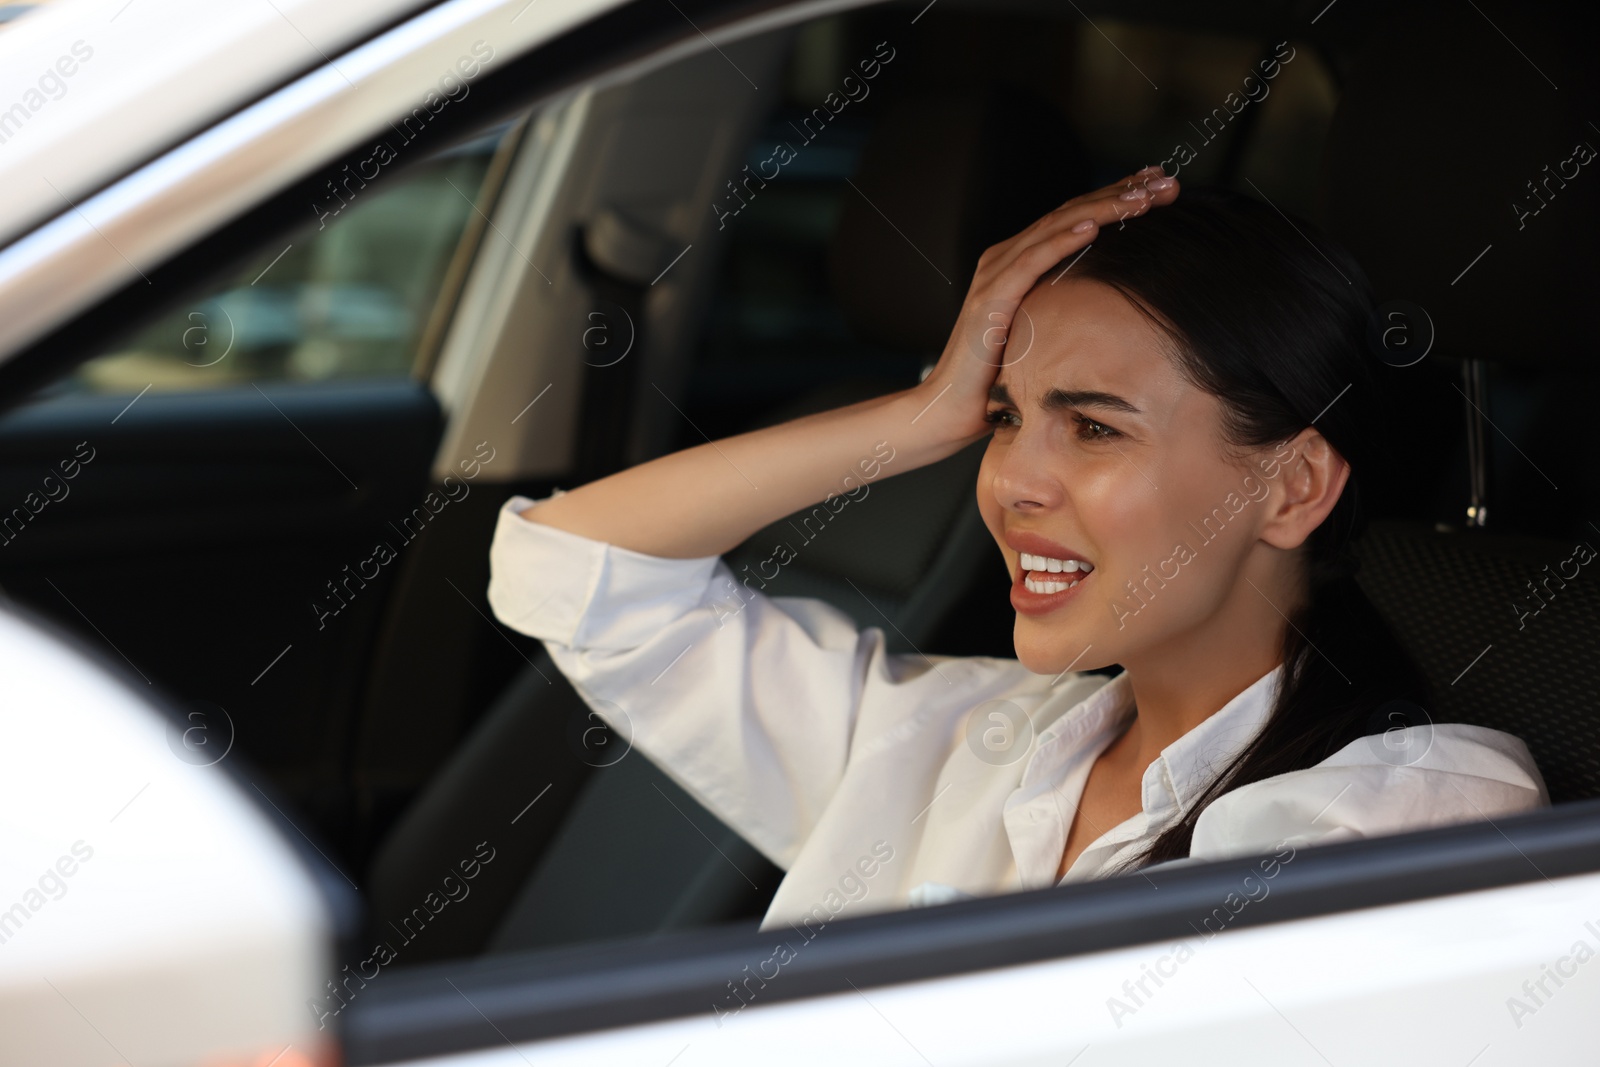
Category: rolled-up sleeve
[581,593]
[752,703]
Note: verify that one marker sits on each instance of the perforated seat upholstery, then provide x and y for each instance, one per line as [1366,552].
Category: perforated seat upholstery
[1506,642]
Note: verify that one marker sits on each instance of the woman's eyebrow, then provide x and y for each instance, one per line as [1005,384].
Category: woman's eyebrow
[1066,399]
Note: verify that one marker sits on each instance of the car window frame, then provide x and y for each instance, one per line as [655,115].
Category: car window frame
[437,306]
[435,1009]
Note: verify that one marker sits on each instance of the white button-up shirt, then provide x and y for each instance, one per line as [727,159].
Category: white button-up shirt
[879,780]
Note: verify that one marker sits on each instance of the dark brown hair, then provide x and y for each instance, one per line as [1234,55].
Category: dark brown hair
[1271,318]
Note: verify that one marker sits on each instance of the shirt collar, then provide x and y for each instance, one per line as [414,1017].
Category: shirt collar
[1187,766]
[1101,715]
[1038,813]
[1184,769]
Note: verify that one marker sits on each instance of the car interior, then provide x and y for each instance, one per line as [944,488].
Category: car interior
[252,441]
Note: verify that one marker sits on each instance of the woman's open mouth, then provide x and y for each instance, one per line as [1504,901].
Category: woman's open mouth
[1043,584]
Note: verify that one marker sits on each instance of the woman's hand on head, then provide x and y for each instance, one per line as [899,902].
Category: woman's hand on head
[956,391]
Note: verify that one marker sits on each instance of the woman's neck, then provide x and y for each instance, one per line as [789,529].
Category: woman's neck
[1185,681]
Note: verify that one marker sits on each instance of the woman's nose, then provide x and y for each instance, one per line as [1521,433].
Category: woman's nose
[1027,478]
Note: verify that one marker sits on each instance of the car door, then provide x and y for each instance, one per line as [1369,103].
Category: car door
[1460,945]
[204,495]
[1464,945]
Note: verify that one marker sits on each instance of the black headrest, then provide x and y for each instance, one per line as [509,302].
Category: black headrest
[1443,122]
[945,174]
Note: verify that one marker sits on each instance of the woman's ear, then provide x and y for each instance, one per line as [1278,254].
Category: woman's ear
[1308,485]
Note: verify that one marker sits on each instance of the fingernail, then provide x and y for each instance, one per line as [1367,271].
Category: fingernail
[1134,194]
[1161,183]
[1084,227]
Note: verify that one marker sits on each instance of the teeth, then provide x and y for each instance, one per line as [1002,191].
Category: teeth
[1048,587]
[1045,564]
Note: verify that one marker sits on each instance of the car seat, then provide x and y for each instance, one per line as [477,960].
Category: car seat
[616,850]
[1491,603]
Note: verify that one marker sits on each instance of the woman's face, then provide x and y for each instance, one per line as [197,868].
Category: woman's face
[1104,453]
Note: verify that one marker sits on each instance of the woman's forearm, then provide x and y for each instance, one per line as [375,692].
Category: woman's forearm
[705,500]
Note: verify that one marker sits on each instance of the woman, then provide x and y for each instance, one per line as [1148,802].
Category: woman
[1177,419]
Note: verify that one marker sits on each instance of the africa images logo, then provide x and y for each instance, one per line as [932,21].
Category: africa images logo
[51,85]
[51,882]
[452,86]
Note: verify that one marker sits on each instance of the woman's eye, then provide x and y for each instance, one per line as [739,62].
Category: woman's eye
[999,417]
[1090,430]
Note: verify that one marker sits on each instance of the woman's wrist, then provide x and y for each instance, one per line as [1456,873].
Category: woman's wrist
[928,426]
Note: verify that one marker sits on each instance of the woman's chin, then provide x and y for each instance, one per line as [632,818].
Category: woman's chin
[1054,653]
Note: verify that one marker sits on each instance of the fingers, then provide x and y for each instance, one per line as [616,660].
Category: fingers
[1148,184]
[1019,263]
[1149,180]
[1007,271]
[1123,199]
[1130,199]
